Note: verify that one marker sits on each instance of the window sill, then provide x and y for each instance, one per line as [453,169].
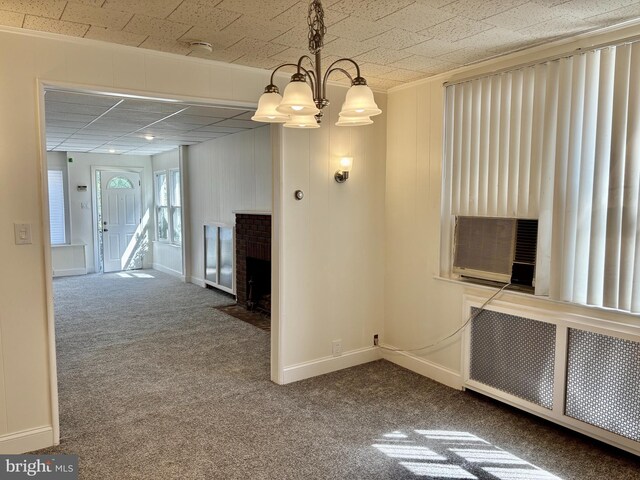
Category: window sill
[544,302]
[168,244]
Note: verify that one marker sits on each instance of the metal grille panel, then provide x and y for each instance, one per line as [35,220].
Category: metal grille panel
[603,382]
[514,354]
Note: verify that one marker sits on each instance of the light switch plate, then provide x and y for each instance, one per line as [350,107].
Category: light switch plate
[22,233]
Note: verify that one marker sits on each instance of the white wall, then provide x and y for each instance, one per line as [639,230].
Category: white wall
[331,263]
[420,309]
[224,175]
[167,257]
[27,407]
[81,218]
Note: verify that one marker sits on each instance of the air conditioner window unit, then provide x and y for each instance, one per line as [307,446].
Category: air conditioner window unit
[497,249]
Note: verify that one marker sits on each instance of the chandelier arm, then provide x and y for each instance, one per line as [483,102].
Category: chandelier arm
[326,76]
[343,60]
[279,67]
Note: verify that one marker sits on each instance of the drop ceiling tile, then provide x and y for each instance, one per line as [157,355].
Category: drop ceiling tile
[397,39]
[481,9]
[558,26]
[374,70]
[424,64]
[416,17]
[219,112]
[153,8]
[297,37]
[257,9]
[11,19]
[523,16]
[70,117]
[236,123]
[204,14]
[140,105]
[41,8]
[165,45]
[115,36]
[55,26]
[60,130]
[383,56]
[432,48]
[165,29]
[467,55]
[616,16]
[194,119]
[291,55]
[370,10]
[497,39]
[341,47]
[353,28]
[217,39]
[251,46]
[244,116]
[402,75]
[297,15]
[383,83]
[217,129]
[261,29]
[81,98]
[456,29]
[589,8]
[95,16]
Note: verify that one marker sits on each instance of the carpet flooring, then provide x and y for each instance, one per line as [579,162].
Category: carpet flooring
[157,384]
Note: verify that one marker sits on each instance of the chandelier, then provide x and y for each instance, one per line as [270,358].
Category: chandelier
[306,95]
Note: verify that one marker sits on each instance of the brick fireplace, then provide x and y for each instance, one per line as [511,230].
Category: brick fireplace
[253,260]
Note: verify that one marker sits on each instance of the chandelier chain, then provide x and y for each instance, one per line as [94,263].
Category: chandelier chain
[317,28]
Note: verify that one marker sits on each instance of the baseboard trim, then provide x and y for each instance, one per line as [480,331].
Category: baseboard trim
[167,270]
[67,272]
[324,365]
[26,440]
[424,367]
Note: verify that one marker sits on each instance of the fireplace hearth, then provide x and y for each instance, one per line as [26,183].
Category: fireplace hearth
[253,261]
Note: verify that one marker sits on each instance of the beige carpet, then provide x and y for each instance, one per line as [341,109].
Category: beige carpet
[157,384]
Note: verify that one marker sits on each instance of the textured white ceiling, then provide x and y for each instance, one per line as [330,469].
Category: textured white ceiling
[394,40]
[79,122]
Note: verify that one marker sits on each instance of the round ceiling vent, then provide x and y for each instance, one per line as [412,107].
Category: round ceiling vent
[200,46]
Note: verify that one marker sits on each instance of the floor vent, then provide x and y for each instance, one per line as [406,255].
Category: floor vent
[603,382]
[513,354]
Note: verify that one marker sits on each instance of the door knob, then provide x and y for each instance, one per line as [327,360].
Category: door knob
[105,229]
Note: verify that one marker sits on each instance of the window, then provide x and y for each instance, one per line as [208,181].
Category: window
[558,141]
[119,182]
[57,207]
[168,206]
[176,207]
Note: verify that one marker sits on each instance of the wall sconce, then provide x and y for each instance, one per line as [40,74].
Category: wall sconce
[345,167]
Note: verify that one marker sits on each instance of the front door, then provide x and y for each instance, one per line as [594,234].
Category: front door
[121,207]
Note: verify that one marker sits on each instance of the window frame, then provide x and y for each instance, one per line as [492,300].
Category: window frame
[172,204]
[65,200]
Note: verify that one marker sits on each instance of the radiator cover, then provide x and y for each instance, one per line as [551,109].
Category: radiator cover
[513,354]
[603,382]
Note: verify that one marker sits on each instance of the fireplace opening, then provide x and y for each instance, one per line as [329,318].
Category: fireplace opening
[258,285]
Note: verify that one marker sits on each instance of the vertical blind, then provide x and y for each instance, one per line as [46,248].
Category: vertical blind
[56,207]
[558,141]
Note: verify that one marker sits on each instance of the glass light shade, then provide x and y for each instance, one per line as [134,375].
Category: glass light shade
[302,121]
[360,102]
[267,112]
[297,100]
[353,121]
[346,163]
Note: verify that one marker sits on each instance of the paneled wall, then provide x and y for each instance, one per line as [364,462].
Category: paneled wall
[28,407]
[332,253]
[166,256]
[421,308]
[224,175]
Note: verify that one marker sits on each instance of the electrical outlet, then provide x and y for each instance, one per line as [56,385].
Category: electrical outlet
[375,340]
[337,348]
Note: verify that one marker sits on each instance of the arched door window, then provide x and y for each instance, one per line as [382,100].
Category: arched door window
[119,182]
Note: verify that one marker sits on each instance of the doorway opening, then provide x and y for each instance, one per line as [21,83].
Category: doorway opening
[114,149]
